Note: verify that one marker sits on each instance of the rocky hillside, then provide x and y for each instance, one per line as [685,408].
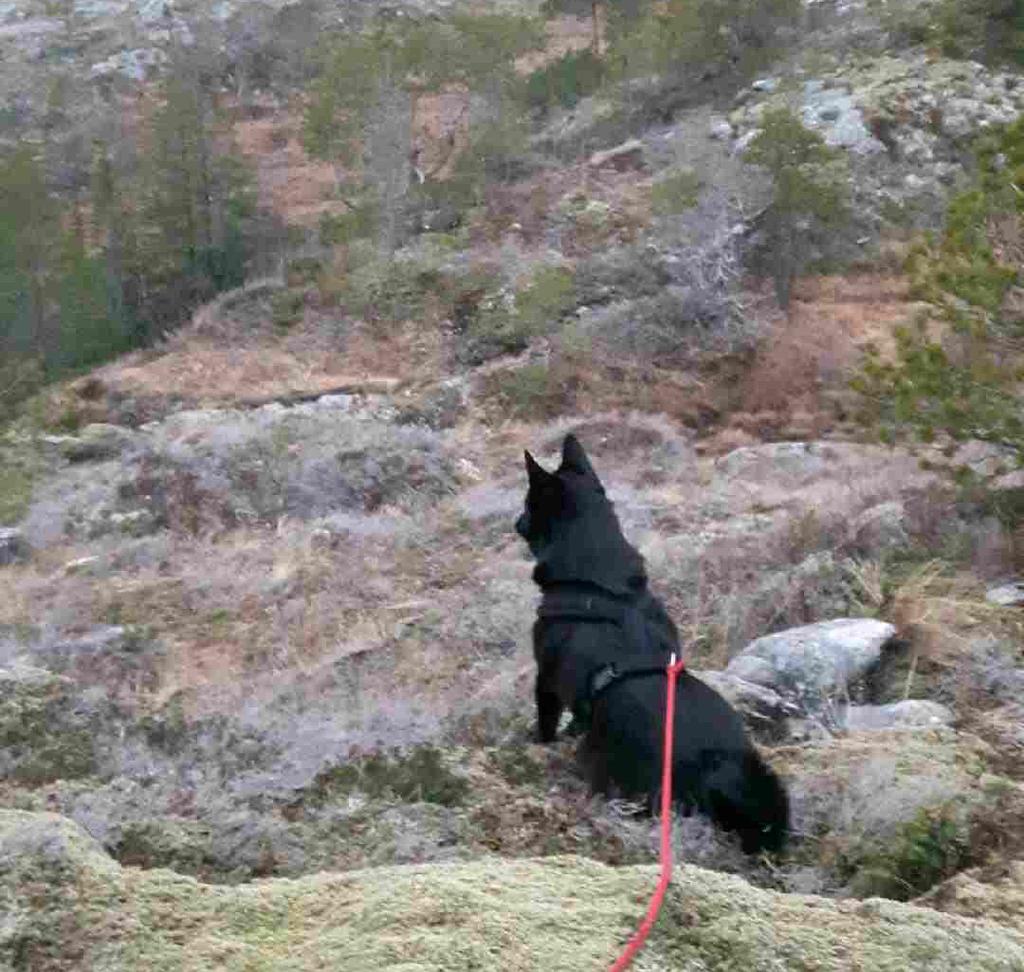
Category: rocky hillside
[265,669]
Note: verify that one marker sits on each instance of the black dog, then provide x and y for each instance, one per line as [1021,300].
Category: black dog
[602,642]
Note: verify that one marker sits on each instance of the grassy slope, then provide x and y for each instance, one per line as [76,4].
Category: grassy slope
[70,907]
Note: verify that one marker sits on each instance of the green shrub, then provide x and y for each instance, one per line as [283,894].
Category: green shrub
[389,291]
[533,391]
[564,82]
[809,194]
[303,271]
[286,308]
[675,192]
[960,382]
[505,322]
[619,274]
[360,222]
[15,491]
[416,776]
[987,30]
[700,39]
[21,376]
[517,766]
[547,297]
[928,849]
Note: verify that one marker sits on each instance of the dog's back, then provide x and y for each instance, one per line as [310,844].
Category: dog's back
[715,769]
[578,633]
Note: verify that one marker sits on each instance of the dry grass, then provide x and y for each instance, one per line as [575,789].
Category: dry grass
[294,186]
[581,382]
[196,370]
[812,349]
[941,612]
[564,35]
[529,208]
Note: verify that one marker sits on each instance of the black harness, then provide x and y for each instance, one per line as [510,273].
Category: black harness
[603,678]
[589,603]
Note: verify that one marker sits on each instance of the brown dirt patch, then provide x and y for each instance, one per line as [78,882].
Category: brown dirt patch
[796,386]
[815,345]
[202,370]
[564,34]
[295,186]
[440,131]
[527,207]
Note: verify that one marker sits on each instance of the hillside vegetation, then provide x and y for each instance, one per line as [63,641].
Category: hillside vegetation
[285,292]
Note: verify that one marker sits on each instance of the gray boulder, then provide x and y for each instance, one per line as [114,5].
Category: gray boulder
[12,545]
[835,113]
[97,441]
[908,714]
[1006,595]
[816,662]
[774,460]
[720,130]
[764,710]
[881,527]
[628,155]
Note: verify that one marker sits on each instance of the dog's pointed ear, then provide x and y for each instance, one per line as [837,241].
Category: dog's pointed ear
[538,475]
[574,458]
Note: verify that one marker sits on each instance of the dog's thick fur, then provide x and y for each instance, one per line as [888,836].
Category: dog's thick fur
[597,611]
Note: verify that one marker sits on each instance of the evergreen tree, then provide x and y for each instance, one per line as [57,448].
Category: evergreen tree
[90,328]
[187,233]
[957,371]
[29,238]
[808,194]
[363,106]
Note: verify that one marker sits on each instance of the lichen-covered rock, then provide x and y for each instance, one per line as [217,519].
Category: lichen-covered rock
[813,663]
[904,121]
[68,906]
[45,732]
[775,460]
[908,714]
[881,527]
[97,441]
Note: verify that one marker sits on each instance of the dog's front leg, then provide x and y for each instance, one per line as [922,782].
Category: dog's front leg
[549,710]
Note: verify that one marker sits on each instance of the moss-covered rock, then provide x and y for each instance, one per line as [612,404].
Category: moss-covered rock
[44,730]
[68,906]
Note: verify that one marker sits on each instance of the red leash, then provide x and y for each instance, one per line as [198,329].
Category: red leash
[638,939]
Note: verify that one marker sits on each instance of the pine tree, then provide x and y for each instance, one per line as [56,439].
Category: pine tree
[363,106]
[808,194]
[29,238]
[90,329]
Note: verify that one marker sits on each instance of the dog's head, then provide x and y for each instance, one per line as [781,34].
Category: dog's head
[556,497]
